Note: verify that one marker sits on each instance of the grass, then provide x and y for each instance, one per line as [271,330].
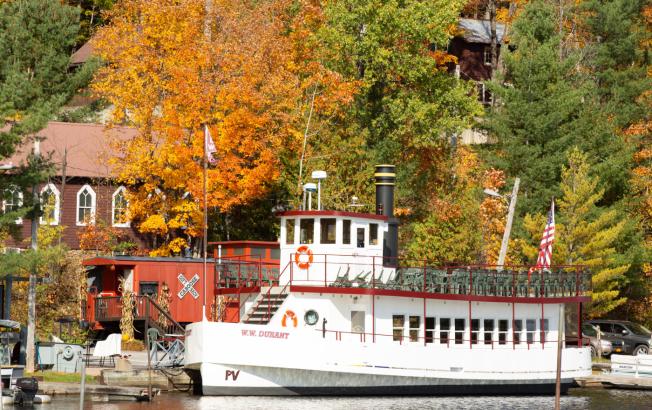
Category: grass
[50,376]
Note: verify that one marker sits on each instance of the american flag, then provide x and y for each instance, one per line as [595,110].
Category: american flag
[545,248]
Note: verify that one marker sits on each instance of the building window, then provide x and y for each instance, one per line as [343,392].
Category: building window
[119,206]
[488,331]
[85,205]
[398,323]
[518,328]
[50,200]
[484,94]
[289,231]
[373,234]
[486,56]
[503,328]
[327,228]
[12,202]
[430,329]
[415,325]
[346,231]
[306,231]
[475,331]
[444,327]
[530,330]
[460,327]
[148,289]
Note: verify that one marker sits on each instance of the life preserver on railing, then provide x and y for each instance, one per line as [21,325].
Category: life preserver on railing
[289,314]
[303,257]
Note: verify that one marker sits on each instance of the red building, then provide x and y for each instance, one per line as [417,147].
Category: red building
[82,191]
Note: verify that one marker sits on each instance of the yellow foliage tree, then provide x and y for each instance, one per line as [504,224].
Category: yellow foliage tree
[171,66]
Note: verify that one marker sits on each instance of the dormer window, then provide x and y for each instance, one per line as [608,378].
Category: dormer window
[328,231]
[306,231]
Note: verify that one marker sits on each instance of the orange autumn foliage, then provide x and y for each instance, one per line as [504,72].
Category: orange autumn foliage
[172,66]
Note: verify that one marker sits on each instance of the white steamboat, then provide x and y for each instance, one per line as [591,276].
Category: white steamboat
[345,315]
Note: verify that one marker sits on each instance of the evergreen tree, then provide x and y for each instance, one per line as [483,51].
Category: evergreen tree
[36,39]
[547,106]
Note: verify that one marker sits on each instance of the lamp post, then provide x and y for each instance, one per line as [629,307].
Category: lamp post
[510,218]
[310,187]
[319,175]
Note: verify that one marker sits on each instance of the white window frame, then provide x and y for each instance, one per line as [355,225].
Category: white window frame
[57,203]
[13,191]
[123,190]
[91,191]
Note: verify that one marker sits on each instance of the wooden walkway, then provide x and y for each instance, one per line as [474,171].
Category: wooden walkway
[616,381]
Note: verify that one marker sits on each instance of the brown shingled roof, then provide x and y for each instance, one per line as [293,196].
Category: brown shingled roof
[83,54]
[87,147]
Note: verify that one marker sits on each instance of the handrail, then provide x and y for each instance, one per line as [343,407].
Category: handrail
[110,307]
[268,293]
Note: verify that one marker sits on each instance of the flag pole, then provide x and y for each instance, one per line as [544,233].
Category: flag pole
[205,241]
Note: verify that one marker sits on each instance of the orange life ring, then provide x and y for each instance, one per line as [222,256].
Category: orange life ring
[289,314]
[301,262]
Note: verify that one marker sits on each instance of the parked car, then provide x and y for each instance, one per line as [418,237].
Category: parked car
[603,345]
[636,338]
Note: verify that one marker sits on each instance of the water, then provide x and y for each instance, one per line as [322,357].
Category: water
[576,399]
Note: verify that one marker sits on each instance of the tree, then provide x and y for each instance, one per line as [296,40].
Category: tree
[36,39]
[171,67]
[547,105]
[587,235]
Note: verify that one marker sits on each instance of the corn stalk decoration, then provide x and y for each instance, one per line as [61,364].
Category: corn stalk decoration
[128,307]
[163,300]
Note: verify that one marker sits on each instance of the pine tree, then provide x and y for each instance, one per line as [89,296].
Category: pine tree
[592,234]
[36,39]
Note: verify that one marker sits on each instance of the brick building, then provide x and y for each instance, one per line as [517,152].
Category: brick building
[82,191]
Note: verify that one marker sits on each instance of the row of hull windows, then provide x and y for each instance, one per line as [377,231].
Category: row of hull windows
[481,331]
[328,232]
[86,205]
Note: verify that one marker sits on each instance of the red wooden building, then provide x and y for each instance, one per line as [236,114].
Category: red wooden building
[181,280]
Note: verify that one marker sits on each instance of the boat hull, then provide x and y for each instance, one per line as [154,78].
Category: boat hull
[300,382]
[233,359]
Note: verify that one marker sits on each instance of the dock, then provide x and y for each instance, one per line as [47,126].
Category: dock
[112,392]
[616,381]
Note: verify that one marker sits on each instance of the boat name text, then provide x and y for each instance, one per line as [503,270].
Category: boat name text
[266,333]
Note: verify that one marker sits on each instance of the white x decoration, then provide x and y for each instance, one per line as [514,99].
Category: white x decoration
[188,286]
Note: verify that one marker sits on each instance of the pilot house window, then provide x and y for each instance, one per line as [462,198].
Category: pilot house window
[289,231]
[327,230]
[373,234]
[307,231]
[346,231]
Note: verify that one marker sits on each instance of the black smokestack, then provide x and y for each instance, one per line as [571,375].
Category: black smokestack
[385,177]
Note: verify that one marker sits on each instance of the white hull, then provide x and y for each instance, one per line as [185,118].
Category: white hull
[279,361]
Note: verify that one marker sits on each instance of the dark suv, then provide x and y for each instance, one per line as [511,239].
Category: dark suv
[636,338]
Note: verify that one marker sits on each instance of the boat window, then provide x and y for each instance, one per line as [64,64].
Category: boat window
[398,322]
[460,325]
[346,231]
[530,329]
[503,328]
[357,321]
[475,331]
[544,330]
[430,329]
[444,327]
[415,325]
[488,331]
[327,230]
[518,328]
[276,253]
[373,234]
[289,231]
[306,231]
[360,237]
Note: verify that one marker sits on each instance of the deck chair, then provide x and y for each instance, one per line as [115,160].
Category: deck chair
[341,280]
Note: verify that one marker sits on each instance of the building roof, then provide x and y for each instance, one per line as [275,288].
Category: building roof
[87,147]
[479,31]
[83,54]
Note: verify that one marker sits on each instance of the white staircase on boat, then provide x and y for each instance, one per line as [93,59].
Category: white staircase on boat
[265,306]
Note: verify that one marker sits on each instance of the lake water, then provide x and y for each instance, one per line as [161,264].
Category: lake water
[576,399]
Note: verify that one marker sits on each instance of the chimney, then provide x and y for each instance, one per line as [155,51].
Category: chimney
[385,177]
